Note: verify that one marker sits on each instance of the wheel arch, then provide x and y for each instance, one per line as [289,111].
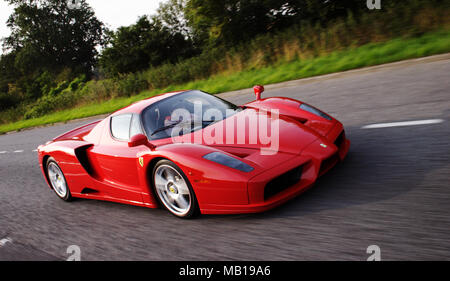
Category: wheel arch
[149,173]
[44,168]
[203,175]
[149,168]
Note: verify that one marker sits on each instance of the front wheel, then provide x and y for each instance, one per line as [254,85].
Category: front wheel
[57,180]
[173,190]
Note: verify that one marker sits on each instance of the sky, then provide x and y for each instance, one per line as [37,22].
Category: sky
[114,13]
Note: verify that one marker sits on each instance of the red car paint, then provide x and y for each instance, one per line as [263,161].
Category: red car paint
[97,166]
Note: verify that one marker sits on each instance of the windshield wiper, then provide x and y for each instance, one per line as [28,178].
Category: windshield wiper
[165,128]
[179,122]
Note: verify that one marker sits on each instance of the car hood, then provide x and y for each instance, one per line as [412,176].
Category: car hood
[241,134]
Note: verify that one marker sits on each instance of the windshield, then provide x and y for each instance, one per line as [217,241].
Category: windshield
[192,110]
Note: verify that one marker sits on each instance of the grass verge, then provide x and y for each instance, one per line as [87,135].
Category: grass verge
[351,58]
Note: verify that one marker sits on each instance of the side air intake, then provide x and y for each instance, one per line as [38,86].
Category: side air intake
[81,154]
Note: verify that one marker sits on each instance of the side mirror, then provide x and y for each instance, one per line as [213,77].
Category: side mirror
[137,140]
[258,91]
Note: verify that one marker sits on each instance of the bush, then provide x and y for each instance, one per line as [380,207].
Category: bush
[62,96]
[50,103]
[7,101]
[77,83]
[98,90]
[58,89]
[130,84]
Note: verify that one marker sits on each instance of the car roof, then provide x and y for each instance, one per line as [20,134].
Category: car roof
[138,106]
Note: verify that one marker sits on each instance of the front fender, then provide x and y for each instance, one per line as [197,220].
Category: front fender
[291,108]
[64,152]
[213,183]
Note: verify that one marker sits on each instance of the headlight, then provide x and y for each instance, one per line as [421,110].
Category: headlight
[228,161]
[314,111]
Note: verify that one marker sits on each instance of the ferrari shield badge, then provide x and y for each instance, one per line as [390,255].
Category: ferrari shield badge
[141,161]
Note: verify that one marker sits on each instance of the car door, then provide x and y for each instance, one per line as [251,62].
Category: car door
[118,163]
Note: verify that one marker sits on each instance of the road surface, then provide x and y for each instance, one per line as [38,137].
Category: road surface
[392,191]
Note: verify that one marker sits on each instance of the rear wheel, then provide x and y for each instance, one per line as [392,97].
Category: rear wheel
[173,190]
[57,180]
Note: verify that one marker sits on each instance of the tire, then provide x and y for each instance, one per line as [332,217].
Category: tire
[57,180]
[173,190]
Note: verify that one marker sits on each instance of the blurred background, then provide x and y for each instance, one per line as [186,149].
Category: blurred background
[60,61]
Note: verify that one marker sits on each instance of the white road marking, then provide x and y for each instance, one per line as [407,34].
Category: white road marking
[402,124]
[16,151]
[4,241]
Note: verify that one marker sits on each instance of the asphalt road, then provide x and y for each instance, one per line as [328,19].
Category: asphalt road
[392,191]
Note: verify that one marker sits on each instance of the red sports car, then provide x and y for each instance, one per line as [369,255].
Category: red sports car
[192,153]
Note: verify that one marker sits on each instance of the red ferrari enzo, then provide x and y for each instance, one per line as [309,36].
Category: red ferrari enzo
[192,153]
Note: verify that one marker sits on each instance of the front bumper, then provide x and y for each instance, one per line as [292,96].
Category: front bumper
[315,161]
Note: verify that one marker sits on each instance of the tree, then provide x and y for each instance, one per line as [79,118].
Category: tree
[146,43]
[8,73]
[48,35]
[171,14]
[228,22]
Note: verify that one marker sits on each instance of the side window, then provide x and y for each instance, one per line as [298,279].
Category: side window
[135,126]
[120,126]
